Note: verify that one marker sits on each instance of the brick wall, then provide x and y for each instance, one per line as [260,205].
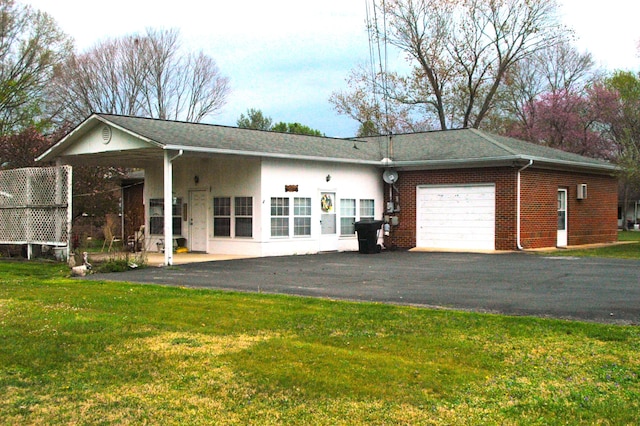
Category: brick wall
[593,220]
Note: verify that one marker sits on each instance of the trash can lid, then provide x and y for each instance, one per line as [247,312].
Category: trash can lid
[368,223]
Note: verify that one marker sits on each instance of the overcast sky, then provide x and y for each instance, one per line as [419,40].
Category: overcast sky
[286,57]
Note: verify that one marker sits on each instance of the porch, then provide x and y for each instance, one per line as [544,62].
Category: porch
[157,259]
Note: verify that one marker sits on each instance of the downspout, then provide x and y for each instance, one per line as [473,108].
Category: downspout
[168,206]
[518,207]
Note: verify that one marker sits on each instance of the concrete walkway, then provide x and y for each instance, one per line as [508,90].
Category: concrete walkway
[157,259]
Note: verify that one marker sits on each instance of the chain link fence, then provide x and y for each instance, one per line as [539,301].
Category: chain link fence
[35,206]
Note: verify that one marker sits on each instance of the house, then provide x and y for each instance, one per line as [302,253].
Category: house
[241,191]
[470,190]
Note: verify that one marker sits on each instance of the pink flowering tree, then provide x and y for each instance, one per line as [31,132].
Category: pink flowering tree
[573,122]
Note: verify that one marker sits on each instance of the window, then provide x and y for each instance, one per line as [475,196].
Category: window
[347,216]
[367,210]
[279,217]
[222,217]
[301,216]
[244,216]
[156,216]
[562,210]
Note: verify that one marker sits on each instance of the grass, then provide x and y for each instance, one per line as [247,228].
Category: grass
[629,250]
[78,352]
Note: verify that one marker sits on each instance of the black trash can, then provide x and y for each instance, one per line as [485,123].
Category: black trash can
[368,236]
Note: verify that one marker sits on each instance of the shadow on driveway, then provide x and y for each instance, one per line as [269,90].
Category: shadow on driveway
[590,289]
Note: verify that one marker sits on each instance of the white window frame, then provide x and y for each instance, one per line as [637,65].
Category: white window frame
[367,211]
[222,216]
[156,213]
[244,211]
[302,213]
[348,216]
[280,217]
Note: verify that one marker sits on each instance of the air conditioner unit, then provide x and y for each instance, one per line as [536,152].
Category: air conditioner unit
[582,191]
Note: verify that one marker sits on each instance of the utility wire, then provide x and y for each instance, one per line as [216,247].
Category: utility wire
[380,63]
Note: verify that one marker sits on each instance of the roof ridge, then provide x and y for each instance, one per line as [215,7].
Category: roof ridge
[223,126]
[495,142]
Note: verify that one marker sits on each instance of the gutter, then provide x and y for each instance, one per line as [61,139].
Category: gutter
[541,162]
[518,206]
[270,155]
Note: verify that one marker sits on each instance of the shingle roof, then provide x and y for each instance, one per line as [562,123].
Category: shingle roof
[207,137]
[436,149]
[472,146]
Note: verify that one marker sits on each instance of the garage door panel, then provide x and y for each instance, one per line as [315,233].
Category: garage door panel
[462,209]
[463,221]
[463,231]
[456,217]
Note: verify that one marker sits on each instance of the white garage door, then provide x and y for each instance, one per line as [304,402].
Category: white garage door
[456,217]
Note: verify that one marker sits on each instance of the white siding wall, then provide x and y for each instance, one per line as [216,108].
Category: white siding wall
[262,179]
[219,177]
[103,138]
[347,181]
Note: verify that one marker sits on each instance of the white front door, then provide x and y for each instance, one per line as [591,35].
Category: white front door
[328,222]
[562,218]
[198,220]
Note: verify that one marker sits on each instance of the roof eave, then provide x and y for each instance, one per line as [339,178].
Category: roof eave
[129,132]
[604,168]
[511,160]
[448,163]
[270,155]
[53,152]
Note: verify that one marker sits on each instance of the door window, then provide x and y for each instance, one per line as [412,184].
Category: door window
[562,210]
[328,216]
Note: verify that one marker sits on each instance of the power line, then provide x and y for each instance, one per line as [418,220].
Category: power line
[381,62]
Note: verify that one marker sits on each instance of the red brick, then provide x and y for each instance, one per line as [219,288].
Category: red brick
[593,220]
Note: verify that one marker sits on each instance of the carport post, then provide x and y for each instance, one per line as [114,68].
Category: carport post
[168,206]
[168,209]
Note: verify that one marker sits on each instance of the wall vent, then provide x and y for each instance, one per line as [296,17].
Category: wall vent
[106,135]
[582,191]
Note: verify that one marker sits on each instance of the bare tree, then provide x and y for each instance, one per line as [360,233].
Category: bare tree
[461,51]
[208,90]
[108,79]
[31,44]
[377,116]
[560,68]
[140,75]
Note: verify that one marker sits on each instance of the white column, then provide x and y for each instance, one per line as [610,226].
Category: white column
[168,209]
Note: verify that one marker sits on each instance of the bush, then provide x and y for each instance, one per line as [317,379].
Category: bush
[121,261]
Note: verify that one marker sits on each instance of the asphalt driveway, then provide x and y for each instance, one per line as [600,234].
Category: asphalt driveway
[592,289]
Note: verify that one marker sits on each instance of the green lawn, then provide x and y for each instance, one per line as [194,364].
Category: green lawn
[629,250]
[629,236]
[78,352]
